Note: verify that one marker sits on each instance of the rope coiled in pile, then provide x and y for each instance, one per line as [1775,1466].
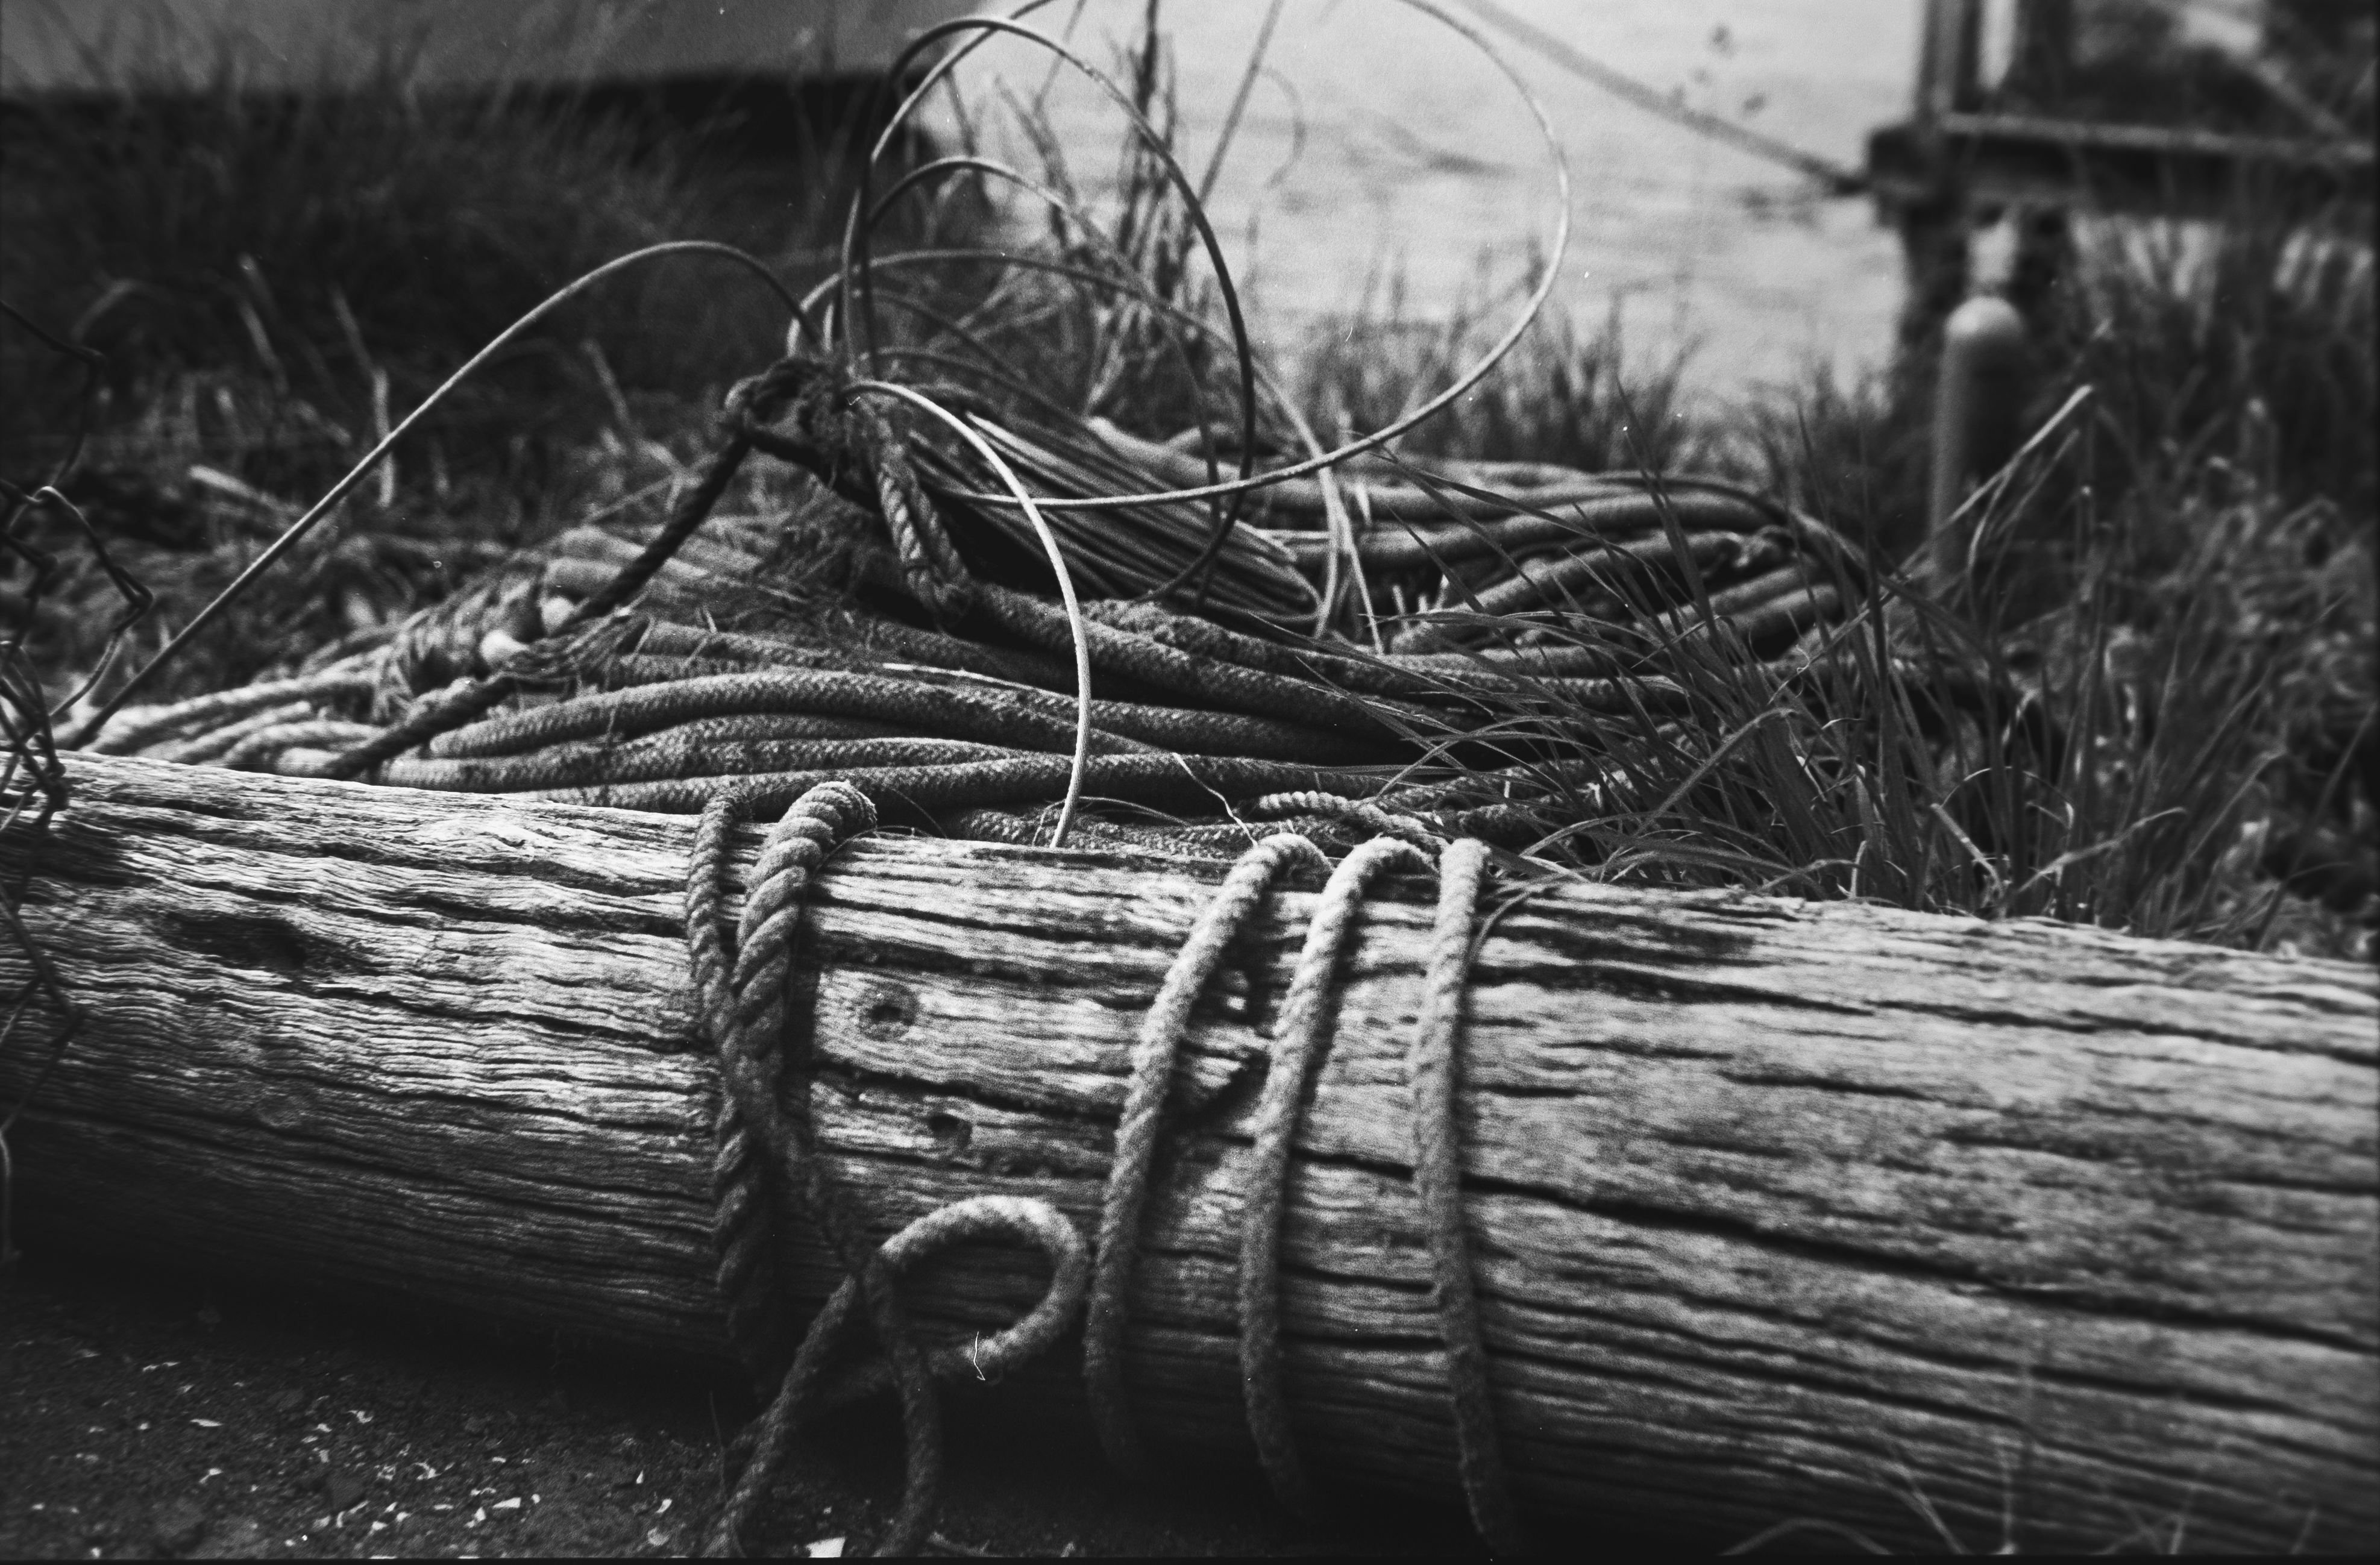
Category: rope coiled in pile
[1209,717]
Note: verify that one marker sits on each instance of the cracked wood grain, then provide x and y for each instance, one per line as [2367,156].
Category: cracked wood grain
[1778,1210]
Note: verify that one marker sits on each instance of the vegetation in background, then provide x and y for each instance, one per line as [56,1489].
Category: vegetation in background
[269,260]
[274,280]
[1563,395]
[2149,707]
[2178,586]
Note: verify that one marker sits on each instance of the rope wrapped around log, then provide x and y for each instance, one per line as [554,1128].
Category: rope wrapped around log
[765,1156]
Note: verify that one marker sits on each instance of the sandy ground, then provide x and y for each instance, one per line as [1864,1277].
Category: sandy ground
[150,1416]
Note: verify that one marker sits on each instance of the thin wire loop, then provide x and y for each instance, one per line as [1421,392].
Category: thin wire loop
[856,232]
[1532,307]
[1057,564]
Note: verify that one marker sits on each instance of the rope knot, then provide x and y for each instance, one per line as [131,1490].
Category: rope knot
[805,411]
[795,410]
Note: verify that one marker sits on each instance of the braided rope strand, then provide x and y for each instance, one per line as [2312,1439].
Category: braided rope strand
[1437,1179]
[744,1001]
[1161,1033]
[751,1066]
[1304,1030]
[1354,812]
[743,997]
[741,1184]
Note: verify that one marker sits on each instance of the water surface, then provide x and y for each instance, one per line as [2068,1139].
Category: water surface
[1380,146]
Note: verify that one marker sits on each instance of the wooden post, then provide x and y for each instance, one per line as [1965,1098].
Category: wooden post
[1978,401]
[1951,76]
[2041,69]
[1933,239]
[2040,61]
[1778,1210]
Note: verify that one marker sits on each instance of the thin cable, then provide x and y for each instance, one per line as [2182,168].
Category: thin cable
[1531,308]
[1170,317]
[854,236]
[1057,564]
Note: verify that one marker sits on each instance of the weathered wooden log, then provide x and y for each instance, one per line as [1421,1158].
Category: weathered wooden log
[1778,1210]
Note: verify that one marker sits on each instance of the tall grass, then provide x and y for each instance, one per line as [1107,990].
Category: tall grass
[310,244]
[285,249]
[1565,395]
[2149,704]
[2245,343]
[2187,587]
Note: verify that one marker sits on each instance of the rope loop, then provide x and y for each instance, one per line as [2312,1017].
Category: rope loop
[1360,813]
[1304,1033]
[1021,1220]
[765,1154]
[1430,1065]
[1153,1055]
[806,1391]
[1304,1030]
[766,1158]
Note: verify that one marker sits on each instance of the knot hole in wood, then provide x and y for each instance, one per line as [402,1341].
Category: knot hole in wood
[887,1009]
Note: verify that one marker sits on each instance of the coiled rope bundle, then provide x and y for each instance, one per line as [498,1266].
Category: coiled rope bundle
[865,633]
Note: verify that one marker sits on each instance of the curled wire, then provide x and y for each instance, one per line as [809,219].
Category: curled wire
[1057,564]
[1338,525]
[1170,320]
[983,27]
[855,275]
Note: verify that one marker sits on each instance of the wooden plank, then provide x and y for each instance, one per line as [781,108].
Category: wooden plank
[2015,159]
[1779,1209]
